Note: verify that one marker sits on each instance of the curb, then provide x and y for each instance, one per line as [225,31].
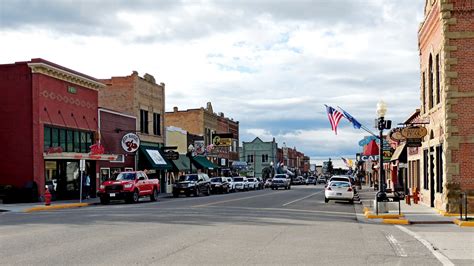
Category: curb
[463,223]
[57,207]
[370,215]
[449,214]
[395,221]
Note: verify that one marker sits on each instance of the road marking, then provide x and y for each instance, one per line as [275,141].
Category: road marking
[288,203]
[396,246]
[231,200]
[348,214]
[443,259]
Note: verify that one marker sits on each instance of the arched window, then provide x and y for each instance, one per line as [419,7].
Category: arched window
[430,82]
[438,82]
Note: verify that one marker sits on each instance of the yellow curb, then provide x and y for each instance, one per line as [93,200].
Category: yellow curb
[395,221]
[370,215]
[56,207]
[449,214]
[463,223]
[365,210]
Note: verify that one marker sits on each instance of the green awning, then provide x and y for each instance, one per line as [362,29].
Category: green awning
[203,163]
[182,164]
[155,158]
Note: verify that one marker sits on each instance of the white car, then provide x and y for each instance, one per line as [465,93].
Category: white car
[231,184]
[241,183]
[339,190]
[253,183]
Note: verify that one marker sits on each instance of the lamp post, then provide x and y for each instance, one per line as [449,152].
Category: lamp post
[190,155]
[381,125]
[271,170]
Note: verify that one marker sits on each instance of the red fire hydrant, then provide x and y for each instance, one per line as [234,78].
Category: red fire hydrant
[47,197]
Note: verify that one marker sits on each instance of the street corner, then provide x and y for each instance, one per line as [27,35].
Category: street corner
[461,223]
[57,207]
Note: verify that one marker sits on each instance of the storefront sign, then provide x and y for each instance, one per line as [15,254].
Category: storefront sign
[54,150]
[199,148]
[414,132]
[413,142]
[366,158]
[396,134]
[156,157]
[97,149]
[218,141]
[171,155]
[363,142]
[130,142]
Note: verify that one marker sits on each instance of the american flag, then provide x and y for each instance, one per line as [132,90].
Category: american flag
[334,117]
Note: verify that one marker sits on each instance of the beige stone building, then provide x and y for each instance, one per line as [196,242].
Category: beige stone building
[446,41]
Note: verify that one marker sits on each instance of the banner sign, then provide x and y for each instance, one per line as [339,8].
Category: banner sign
[199,148]
[130,142]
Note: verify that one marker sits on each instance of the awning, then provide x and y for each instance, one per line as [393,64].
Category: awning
[155,158]
[182,164]
[202,162]
[400,154]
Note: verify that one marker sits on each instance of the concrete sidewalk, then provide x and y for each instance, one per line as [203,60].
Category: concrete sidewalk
[414,213]
[60,204]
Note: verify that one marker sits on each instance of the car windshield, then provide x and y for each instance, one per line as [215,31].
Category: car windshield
[280,176]
[216,179]
[340,179]
[340,184]
[126,176]
[238,179]
[188,178]
[250,179]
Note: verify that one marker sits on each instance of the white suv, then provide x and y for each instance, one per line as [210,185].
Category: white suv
[253,183]
[241,183]
[231,184]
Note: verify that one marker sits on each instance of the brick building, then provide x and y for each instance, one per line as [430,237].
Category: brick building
[143,98]
[446,41]
[204,122]
[49,123]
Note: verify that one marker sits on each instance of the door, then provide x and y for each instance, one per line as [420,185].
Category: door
[432,182]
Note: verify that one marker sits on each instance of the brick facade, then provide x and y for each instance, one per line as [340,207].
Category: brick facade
[446,41]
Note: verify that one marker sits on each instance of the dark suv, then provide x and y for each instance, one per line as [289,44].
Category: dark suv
[192,184]
[219,185]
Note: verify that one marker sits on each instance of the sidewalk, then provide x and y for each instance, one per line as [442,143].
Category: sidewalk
[59,204]
[414,213]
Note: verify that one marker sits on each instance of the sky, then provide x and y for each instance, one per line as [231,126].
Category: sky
[269,64]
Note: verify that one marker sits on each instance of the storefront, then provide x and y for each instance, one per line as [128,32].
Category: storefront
[152,160]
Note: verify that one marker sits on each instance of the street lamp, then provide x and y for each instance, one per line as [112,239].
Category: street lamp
[190,155]
[381,125]
[271,170]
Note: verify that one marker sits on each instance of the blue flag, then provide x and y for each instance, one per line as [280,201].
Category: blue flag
[351,119]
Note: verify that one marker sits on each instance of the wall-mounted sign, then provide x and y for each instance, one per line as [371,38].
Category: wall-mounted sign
[413,142]
[218,141]
[414,132]
[366,158]
[363,142]
[97,149]
[199,147]
[172,155]
[156,157]
[396,134]
[130,142]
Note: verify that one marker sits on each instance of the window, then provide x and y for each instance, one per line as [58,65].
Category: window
[47,138]
[69,141]
[423,92]
[439,169]
[425,169]
[250,158]
[55,137]
[430,83]
[62,139]
[264,158]
[156,124]
[83,142]
[144,121]
[77,141]
[438,89]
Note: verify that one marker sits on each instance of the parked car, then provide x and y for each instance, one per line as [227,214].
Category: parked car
[253,183]
[339,190]
[219,185]
[231,184]
[299,180]
[311,180]
[322,180]
[268,183]
[241,183]
[343,178]
[281,180]
[129,186]
[192,184]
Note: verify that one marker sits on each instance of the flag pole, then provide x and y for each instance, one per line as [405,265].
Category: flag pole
[362,126]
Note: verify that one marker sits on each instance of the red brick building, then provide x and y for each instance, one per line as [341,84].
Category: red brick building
[446,41]
[49,122]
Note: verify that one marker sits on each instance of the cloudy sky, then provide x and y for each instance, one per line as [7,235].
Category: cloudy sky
[270,64]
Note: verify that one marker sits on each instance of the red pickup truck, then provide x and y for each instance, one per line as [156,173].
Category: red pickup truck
[129,186]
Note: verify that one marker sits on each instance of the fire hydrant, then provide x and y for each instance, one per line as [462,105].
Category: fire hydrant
[416,196]
[47,197]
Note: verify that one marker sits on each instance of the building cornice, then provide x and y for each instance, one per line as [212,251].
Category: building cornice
[48,70]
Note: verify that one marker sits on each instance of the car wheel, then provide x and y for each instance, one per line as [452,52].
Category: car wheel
[197,192]
[326,200]
[104,200]
[154,195]
[135,196]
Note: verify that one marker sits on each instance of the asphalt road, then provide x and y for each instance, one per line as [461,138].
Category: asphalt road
[258,227]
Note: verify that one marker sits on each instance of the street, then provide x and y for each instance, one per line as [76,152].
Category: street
[258,227]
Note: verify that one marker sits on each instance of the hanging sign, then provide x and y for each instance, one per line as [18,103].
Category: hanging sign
[130,142]
[414,132]
[396,134]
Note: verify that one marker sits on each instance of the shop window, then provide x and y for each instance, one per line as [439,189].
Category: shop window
[425,169]
[83,142]
[89,138]
[439,169]
[144,121]
[47,138]
[55,137]
[156,124]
